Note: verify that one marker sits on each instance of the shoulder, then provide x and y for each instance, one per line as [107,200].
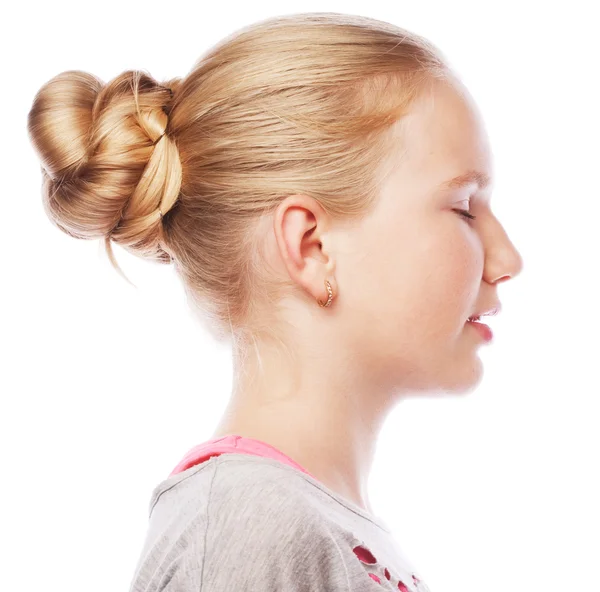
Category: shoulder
[264,533]
[270,498]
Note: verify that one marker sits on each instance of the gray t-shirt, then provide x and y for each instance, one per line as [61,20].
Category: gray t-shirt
[244,523]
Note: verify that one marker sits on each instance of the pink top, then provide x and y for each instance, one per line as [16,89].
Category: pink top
[238,444]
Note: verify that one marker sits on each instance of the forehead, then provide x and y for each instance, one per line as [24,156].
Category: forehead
[445,140]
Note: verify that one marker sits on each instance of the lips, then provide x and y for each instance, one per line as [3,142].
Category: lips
[483,330]
[490,312]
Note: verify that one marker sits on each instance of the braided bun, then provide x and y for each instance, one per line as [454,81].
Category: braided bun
[109,166]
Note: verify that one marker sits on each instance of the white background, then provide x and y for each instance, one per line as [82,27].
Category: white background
[105,387]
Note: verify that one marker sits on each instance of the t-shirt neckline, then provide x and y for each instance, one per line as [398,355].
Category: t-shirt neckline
[258,450]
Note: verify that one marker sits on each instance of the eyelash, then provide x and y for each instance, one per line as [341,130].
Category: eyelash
[466,214]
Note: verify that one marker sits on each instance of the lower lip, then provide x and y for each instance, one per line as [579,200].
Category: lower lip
[482,329]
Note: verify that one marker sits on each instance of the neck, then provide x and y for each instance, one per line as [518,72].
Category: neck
[320,421]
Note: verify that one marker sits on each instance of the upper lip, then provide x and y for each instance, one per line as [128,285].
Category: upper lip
[488,311]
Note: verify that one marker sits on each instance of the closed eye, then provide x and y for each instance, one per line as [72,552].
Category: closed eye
[466,214]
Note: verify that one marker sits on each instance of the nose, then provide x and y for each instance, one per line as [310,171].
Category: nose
[515,265]
[503,260]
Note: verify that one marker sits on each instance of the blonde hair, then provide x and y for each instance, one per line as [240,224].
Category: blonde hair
[293,104]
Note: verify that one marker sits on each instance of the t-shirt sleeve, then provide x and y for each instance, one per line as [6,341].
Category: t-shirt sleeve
[269,544]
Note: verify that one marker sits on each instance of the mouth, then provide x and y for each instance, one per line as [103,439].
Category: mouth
[483,330]
[486,313]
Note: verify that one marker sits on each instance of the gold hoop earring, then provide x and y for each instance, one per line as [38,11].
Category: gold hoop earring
[330,292]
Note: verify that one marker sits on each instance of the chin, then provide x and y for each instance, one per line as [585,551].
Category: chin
[465,380]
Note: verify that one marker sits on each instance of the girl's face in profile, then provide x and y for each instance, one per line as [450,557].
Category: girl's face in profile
[415,269]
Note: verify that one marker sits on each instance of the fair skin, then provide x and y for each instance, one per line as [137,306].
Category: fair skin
[405,279]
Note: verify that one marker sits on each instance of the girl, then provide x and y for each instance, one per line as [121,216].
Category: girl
[321,183]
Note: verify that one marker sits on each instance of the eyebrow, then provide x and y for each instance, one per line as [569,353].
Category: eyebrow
[472,176]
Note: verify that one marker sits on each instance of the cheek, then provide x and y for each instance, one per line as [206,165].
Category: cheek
[413,284]
[438,284]
[458,276]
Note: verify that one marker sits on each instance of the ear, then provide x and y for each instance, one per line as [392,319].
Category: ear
[300,225]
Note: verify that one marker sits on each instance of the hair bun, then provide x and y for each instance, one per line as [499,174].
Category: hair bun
[108,164]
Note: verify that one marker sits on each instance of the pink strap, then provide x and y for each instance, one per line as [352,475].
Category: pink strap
[237,444]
